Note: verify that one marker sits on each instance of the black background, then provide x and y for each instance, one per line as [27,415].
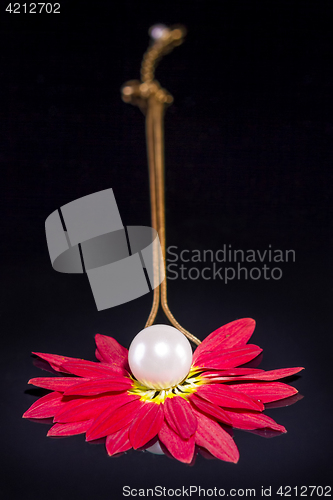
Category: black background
[248,163]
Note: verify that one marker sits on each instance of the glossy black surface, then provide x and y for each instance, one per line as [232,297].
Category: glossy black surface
[248,163]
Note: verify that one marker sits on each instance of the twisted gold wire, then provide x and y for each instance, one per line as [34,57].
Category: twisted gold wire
[153,204]
[152,100]
[158,49]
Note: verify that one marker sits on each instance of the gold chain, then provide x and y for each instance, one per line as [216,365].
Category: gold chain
[152,100]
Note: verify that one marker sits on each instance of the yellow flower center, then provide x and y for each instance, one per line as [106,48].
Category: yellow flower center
[188,386]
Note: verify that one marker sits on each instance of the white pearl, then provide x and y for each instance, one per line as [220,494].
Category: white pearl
[160,357]
[156,449]
[158,31]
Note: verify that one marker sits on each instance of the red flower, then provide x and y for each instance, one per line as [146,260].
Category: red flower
[103,399]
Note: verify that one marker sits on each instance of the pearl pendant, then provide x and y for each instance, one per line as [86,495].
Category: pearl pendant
[160,357]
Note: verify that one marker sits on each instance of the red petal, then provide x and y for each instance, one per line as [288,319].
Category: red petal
[88,369]
[69,429]
[112,352]
[55,360]
[69,405]
[282,403]
[181,449]
[250,421]
[180,417]
[223,395]
[118,442]
[82,409]
[219,359]
[265,391]
[99,386]
[216,440]
[108,347]
[236,372]
[234,334]
[213,410]
[146,424]
[55,383]
[99,356]
[271,374]
[113,419]
[46,406]
[266,433]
